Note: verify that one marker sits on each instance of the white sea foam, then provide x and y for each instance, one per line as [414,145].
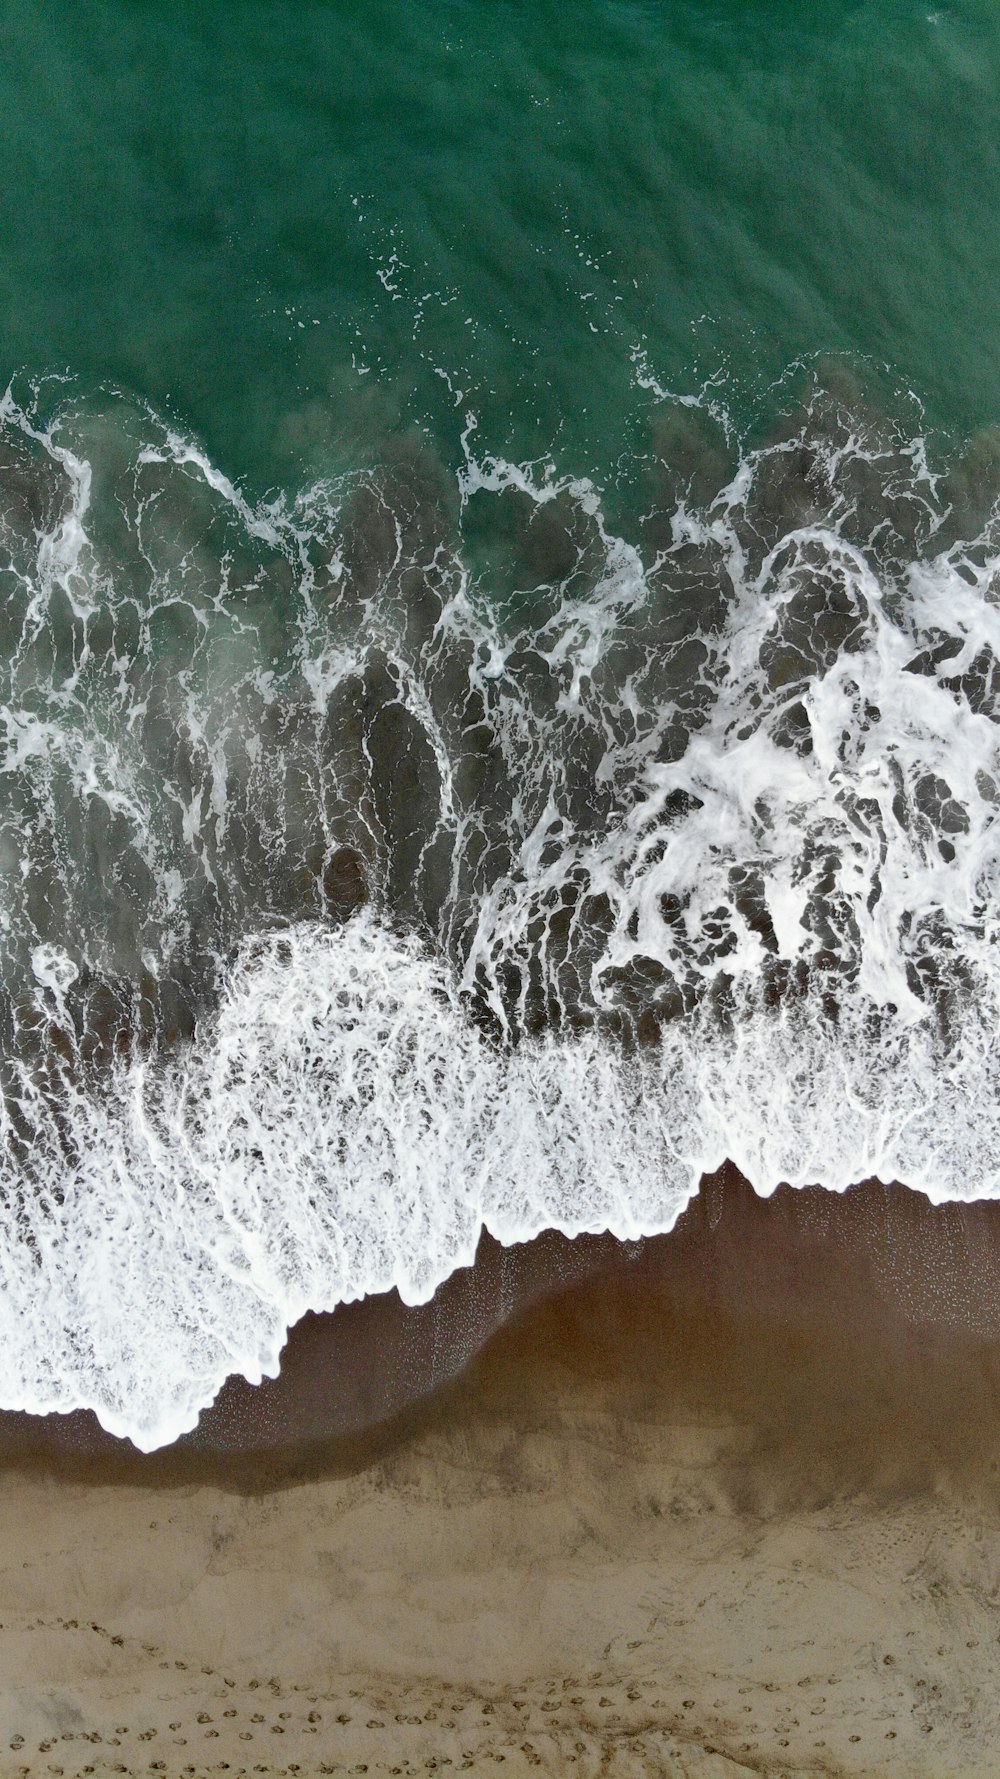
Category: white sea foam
[684,849]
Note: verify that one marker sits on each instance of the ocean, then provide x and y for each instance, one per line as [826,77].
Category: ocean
[500,660]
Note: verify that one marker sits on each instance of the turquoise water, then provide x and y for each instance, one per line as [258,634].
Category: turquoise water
[284,224]
[499,644]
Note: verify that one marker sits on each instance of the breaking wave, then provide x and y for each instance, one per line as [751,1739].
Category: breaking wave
[433,851]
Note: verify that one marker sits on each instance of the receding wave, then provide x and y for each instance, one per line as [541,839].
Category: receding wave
[430,851]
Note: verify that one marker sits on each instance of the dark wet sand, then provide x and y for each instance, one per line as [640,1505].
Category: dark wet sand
[723,1501]
[867,1322]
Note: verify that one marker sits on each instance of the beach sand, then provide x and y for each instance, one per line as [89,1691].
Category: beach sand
[724,1502]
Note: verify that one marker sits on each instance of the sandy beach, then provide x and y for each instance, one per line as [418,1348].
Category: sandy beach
[723,1502]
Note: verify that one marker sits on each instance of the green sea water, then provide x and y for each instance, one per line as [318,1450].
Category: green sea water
[294,227]
[499,643]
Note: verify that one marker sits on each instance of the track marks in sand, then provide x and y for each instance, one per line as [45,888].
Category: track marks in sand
[213,1722]
[599,1724]
[640,1714]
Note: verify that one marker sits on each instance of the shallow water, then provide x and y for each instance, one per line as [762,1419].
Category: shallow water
[500,649]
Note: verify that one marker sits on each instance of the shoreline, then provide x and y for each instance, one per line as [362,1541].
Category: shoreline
[914,1273]
[725,1502]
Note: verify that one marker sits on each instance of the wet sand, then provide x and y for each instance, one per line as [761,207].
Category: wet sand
[723,1502]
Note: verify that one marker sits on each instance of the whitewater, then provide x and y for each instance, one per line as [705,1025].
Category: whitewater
[429,853]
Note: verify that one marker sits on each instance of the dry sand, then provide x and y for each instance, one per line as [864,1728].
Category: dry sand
[725,1503]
